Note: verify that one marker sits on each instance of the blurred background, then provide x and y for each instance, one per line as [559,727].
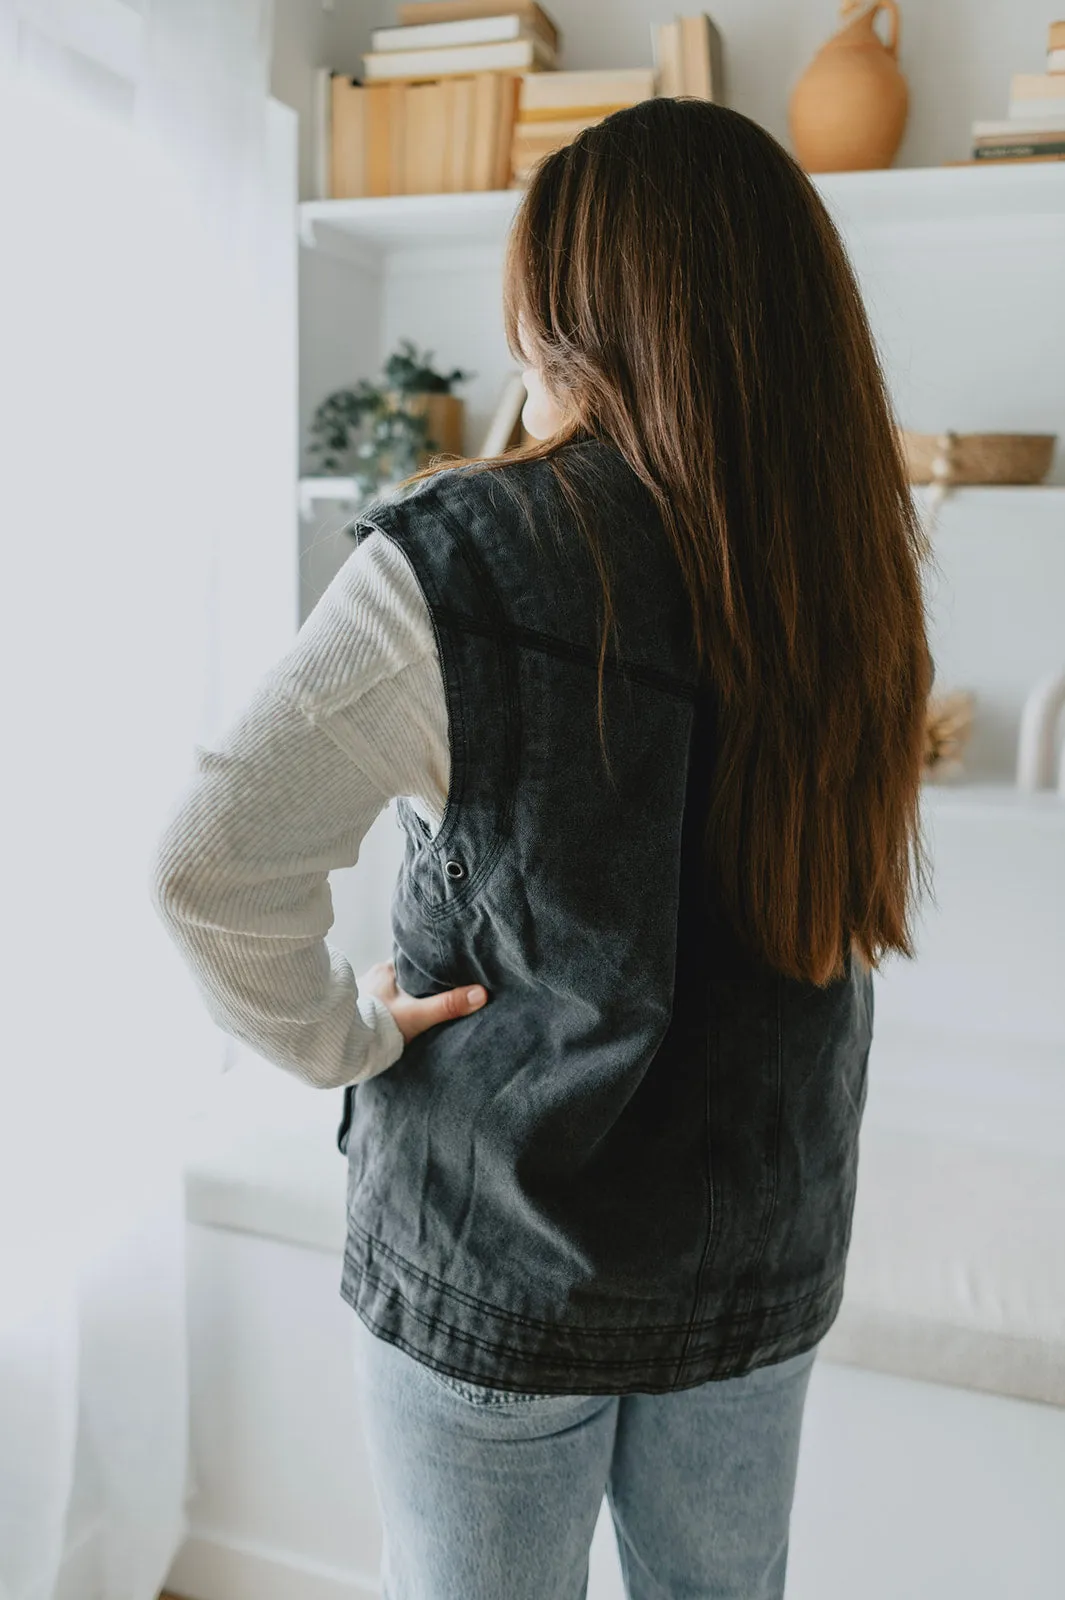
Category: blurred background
[250,276]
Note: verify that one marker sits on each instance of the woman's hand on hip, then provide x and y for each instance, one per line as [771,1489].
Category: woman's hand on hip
[413,1015]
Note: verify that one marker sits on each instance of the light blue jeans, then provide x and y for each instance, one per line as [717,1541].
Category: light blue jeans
[487,1495]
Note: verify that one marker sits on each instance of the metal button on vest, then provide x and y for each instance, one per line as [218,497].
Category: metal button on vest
[454,869]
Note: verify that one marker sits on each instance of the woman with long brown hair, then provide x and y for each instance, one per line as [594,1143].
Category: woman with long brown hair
[650,696]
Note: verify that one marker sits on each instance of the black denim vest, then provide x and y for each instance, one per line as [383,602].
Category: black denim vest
[634,1168]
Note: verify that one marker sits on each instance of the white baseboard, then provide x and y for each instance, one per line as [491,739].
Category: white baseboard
[215,1566]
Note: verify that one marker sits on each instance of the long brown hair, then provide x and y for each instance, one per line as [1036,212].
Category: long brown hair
[684,293]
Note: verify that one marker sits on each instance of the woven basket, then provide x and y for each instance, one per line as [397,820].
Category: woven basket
[978,457]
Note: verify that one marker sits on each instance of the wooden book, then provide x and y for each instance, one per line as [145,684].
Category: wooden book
[416,133]
[454,162]
[434,157]
[548,95]
[486,107]
[514,55]
[379,139]
[668,59]
[509,90]
[1037,85]
[701,58]
[445,35]
[1013,151]
[349,165]
[1001,161]
[534,17]
[397,136]
[464,152]
[558,128]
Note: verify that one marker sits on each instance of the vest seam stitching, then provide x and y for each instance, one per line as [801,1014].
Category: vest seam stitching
[476,1304]
[774,1159]
[705,1258]
[738,1344]
[552,645]
[418,1352]
[439,910]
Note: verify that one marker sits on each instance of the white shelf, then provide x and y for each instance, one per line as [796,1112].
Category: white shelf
[903,195]
[997,802]
[332,491]
[370,230]
[1001,496]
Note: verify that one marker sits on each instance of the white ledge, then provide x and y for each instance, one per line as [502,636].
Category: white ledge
[371,229]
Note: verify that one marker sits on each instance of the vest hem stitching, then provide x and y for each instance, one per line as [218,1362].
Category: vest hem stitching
[474,1303]
[740,1345]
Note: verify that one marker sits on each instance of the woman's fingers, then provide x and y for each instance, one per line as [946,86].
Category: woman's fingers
[413,1015]
[418,1015]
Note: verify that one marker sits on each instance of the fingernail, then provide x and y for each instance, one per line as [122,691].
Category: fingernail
[477,996]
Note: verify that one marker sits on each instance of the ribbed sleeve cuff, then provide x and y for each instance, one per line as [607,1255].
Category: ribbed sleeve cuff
[387,1044]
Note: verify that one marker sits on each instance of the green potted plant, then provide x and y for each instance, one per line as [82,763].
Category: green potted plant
[378,433]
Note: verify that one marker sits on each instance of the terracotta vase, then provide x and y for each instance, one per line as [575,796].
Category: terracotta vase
[848,110]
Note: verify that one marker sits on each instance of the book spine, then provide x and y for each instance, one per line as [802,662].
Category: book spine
[485,115]
[349,118]
[450,90]
[515,55]
[555,94]
[991,161]
[695,57]
[397,137]
[435,161]
[509,90]
[1014,128]
[442,35]
[667,53]
[429,12]
[1023,111]
[1036,85]
[378,139]
[999,152]
[416,138]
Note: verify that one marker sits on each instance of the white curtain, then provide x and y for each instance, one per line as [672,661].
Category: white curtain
[139,428]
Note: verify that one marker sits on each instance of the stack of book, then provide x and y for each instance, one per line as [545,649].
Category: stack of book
[1035,127]
[465,94]
[435,109]
[555,107]
[689,57]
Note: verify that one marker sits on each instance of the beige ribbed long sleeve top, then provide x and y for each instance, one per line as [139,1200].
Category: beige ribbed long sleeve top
[352,715]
